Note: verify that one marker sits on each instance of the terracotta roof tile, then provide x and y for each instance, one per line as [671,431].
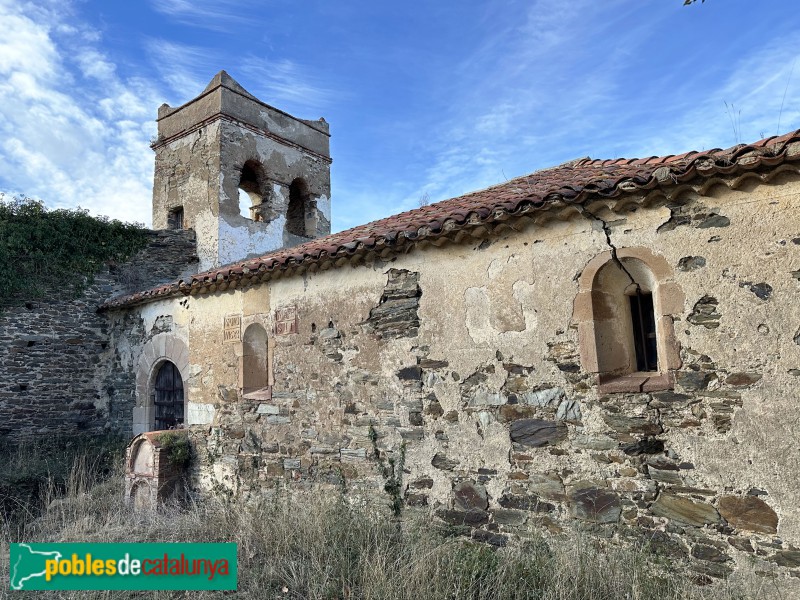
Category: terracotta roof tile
[571,182]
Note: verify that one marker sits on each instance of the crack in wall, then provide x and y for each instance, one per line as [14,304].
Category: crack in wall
[607,232]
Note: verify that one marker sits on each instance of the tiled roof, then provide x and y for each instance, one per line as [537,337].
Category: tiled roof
[572,183]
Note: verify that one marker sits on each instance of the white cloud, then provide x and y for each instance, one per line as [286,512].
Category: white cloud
[558,82]
[216,15]
[72,132]
[94,65]
[186,69]
[545,81]
[514,93]
[753,90]
[286,84]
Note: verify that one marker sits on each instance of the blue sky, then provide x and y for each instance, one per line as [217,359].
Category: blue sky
[424,98]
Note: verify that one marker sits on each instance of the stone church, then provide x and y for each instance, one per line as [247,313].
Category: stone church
[612,341]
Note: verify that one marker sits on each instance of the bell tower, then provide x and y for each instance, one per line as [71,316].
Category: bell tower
[247,177]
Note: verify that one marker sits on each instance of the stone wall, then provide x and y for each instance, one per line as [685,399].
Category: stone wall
[466,361]
[203,151]
[60,371]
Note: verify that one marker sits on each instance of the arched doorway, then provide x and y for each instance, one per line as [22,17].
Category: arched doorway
[168,397]
[162,349]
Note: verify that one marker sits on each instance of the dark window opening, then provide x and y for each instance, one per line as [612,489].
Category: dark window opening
[298,206]
[643,318]
[168,397]
[175,218]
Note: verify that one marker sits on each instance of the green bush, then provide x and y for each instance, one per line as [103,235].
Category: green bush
[177,447]
[44,249]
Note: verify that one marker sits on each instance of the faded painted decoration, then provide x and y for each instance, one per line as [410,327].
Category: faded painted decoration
[286,320]
[232,328]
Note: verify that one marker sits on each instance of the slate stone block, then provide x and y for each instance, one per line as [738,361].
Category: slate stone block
[623,424]
[749,513]
[529,502]
[684,510]
[441,462]
[473,518]
[787,558]
[537,432]
[645,446]
[595,505]
[470,495]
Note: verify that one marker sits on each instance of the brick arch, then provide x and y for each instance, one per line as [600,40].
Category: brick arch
[593,314]
[163,347]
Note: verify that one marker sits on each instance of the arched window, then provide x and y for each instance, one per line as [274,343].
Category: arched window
[254,372]
[251,191]
[624,311]
[299,208]
[168,397]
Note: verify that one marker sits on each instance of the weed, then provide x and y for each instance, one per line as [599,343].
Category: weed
[391,471]
[736,122]
[35,470]
[312,546]
[178,448]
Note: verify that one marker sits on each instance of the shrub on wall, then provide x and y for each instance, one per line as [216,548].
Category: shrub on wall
[63,249]
[177,447]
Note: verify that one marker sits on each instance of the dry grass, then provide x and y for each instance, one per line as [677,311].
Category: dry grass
[45,467]
[323,548]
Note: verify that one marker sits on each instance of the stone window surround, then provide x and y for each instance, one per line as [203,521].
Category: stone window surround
[266,392]
[668,301]
[163,347]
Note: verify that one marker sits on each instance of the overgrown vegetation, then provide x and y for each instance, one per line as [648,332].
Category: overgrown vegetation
[42,249]
[177,446]
[391,471]
[32,471]
[316,547]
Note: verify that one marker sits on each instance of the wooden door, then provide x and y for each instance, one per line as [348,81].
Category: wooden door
[168,398]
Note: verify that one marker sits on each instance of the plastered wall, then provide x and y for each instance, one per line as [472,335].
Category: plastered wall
[468,357]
